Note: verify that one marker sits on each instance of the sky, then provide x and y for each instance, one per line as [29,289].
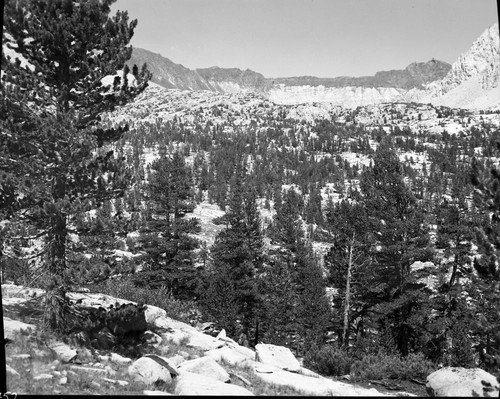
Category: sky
[323,38]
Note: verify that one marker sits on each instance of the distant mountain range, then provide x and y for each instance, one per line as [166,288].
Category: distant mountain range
[175,76]
[472,81]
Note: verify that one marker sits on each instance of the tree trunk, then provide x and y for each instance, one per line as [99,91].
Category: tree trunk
[345,337]
[55,301]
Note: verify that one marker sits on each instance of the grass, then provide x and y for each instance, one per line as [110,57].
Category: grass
[42,360]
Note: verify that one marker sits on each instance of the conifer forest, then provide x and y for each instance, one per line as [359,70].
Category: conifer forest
[351,240]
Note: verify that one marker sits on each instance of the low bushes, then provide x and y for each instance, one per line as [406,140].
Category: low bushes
[182,310]
[333,361]
[329,360]
[381,366]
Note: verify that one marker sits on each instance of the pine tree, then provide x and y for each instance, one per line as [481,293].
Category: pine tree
[50,107]
[346,261]
[401,239]
[486,281]
[238,251]
[166,239]
[299,316]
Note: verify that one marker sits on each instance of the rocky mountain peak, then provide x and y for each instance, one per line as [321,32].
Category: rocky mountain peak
[480,61]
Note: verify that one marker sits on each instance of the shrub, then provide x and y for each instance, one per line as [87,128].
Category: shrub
[182,310]
[329,360]
[382,366]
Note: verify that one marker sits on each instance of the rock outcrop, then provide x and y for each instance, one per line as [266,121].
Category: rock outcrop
[459,381]
[277,356]
[149,371]
[196,384]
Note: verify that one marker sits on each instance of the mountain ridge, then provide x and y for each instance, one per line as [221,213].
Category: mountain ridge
[470,82]
[415,75]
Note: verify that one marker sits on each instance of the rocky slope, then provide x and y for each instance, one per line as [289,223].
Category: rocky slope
[178,359]
[176,76]
[471,82]
[474,78]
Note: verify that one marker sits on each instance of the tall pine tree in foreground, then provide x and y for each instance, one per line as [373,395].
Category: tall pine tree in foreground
[52,149]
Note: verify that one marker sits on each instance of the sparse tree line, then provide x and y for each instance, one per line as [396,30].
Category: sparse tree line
[74,189]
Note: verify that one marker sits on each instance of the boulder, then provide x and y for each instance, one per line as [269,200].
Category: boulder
[13,327]
[152,313]
[460,381]
[178,332]
[247,352]
[196,384]
[228,355]
[64,352]
[165,362]
[205,366]
[278,356]
[149,371]
[222,335]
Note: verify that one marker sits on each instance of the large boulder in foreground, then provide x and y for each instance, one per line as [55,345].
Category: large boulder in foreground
[197,384]
[460,381]
[149,371]
[278,356]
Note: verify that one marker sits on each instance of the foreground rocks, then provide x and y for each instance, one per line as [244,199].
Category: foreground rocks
[214,365]
[11,328]
[459,381]
[196,384]
[278,356]
[149,371]
[205,366]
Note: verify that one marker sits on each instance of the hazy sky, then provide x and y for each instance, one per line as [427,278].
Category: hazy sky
[323,38]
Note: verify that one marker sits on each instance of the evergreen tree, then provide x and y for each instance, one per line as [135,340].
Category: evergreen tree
[304,303]
[486,281]
[50,105]
[238,252]
[166,239]
[400,239]
[346,261]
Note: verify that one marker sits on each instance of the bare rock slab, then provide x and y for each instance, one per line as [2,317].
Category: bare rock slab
[197,384]
[205,366]
[460,381]
[311,386]
[278,356]
[64,352]
[149,371]
[228,355]
[13,327]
